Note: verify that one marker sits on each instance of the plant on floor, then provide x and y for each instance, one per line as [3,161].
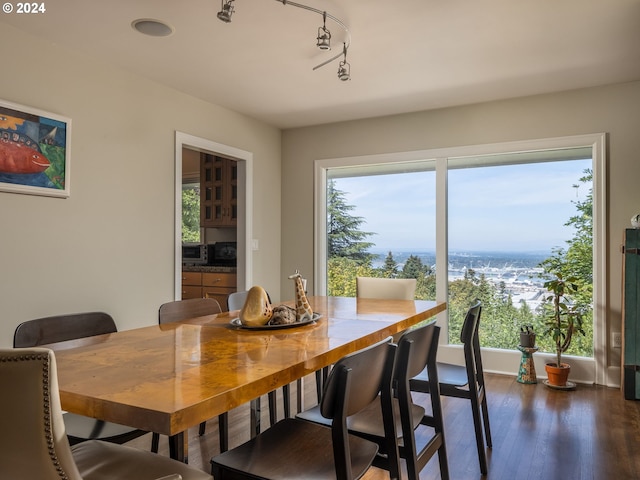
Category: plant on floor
[563,318]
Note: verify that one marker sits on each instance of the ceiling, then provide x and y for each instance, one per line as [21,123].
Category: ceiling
[405,55]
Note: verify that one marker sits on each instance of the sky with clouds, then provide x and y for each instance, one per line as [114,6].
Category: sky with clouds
[515,208]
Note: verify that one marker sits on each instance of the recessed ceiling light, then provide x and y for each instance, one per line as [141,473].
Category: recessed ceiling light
[151,27]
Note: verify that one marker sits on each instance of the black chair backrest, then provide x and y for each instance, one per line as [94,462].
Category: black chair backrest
[415,348]
[60,328]
[354,382]
[185,309]
[471,324]
[471,340]
[367,374]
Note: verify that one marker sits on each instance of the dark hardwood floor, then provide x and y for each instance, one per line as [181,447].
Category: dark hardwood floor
[538,433]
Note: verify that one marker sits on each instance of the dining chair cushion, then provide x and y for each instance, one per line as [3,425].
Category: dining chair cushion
[278,452]
[107,461]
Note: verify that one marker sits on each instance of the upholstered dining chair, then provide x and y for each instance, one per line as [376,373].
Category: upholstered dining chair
[298,449]
[60,328]
[34,445]
[182,310]
[466,381]
[417,349]
[387,288]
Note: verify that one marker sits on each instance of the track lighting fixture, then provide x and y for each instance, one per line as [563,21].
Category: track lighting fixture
[324,35]
[344,69]
[226,10]
[323,41]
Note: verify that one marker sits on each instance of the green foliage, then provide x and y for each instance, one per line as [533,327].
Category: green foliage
[191,215]
[563,318]
[344,238]
[342,273]
[390,267]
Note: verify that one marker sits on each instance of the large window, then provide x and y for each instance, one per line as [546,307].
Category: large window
[494,221]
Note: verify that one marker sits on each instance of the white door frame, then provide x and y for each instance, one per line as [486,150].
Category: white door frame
[245,204]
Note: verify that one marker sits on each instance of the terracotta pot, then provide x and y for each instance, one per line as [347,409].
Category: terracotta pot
[557,376]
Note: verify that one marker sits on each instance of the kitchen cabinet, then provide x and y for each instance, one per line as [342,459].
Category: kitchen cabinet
[218,191]
[191,285]
[217,285]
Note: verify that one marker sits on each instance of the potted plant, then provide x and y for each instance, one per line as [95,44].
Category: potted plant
[527,336]
[563,318]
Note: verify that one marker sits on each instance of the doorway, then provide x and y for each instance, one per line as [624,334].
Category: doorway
[244,231]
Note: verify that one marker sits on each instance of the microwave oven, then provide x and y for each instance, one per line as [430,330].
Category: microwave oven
[224,254]
[195,254]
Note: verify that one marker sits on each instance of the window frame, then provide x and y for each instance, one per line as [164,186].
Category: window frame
[502,361]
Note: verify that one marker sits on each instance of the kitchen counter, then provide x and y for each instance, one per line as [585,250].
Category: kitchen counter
[208,269]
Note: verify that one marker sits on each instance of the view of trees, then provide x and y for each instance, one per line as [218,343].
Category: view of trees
[348,257]
[191,214]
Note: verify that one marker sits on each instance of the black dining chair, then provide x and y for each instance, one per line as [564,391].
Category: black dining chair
[466,381]
[298,449]
[60,328]
[417,349]
[182,310]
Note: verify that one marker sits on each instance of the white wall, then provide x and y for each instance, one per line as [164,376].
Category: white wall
[110,245]
[613,109]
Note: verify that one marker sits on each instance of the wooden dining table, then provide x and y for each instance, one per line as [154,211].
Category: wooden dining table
[170,377]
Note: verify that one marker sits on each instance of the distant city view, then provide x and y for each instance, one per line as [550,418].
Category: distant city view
[519,271]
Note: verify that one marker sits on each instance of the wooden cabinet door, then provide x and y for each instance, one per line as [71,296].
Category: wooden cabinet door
[218,191]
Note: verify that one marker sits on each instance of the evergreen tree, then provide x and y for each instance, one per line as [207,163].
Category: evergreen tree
[414,268]
[191,215]
[344,238]
[390,267]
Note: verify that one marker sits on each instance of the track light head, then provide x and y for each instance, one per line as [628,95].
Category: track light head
[344,69]
[324,35]
[226,11]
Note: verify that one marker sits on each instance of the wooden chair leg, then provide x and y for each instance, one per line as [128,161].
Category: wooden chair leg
[155,442]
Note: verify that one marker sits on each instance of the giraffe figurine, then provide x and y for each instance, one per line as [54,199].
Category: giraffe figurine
[303,308]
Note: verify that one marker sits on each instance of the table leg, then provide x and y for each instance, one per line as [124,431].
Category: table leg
[178,448]
[254,417]
[300,394]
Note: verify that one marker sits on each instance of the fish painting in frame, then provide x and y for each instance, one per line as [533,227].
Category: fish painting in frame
[34,151]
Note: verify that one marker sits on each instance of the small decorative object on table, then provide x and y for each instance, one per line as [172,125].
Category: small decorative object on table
[303,308]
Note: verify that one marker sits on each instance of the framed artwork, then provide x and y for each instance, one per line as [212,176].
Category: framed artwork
[34,151]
